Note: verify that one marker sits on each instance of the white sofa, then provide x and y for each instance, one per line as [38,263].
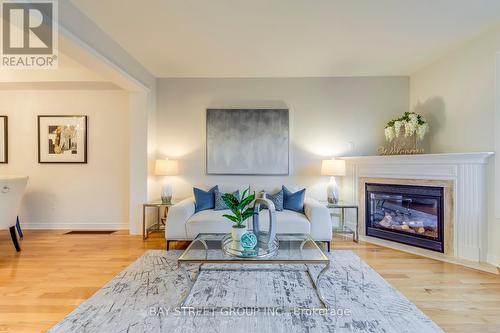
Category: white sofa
[184,224]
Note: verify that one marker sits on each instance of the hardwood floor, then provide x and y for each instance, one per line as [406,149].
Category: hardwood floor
[55,273]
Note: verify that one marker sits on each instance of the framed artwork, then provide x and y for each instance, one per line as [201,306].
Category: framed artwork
[62,139]
[247,142]
[4,140]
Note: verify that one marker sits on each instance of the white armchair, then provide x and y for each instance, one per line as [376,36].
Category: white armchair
[11,192]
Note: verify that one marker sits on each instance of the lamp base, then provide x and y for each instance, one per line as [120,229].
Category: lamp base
[166,194]
[333,200]
[166,200]
[332,191]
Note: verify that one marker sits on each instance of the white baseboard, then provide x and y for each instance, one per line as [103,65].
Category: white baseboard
[482,266]
[493,259]
[74,226]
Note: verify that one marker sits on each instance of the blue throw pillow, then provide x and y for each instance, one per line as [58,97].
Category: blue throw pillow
[219,202]
[294,201]
[204,200]
[277,199]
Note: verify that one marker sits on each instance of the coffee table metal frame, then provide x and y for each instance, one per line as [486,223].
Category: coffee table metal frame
[203,238]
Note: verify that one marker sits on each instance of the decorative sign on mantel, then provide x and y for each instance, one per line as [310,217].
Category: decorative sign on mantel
[394,150]
[404,134]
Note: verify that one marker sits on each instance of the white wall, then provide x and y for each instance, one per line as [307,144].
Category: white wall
[457,94]
[328,116]
[82,39]
[91,196]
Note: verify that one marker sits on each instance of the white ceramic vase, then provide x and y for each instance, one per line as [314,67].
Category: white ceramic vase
[236,233]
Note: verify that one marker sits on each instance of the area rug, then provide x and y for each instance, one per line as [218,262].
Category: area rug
[144,298]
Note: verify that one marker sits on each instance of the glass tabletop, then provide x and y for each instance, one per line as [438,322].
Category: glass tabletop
[158,202]
[340,204]
[293,249]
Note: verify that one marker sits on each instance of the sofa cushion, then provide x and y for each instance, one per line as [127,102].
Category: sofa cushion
[277,199]
[208,221]
[294,201]
[287,221]
[204,199]
[212,221]
[220,204]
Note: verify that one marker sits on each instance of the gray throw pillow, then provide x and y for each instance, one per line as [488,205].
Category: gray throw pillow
[277,199]
[219,202]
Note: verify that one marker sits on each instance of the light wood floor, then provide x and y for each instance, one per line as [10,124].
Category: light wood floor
[55,273]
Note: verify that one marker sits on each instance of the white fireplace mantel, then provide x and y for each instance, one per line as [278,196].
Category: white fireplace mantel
[468,173]
[454,158]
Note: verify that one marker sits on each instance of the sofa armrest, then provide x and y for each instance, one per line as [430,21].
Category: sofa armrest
[177,217]
[319,217]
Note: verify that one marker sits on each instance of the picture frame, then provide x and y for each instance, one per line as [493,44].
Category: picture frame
[4,140]
[247,142]
[62,139]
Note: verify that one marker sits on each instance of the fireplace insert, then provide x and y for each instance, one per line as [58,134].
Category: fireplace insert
[406,214]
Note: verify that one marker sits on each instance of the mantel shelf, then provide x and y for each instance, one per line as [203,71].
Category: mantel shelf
[444,158]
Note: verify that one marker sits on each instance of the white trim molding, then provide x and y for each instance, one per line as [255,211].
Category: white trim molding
[468,173]
[74,226]
[453,158]
[496,199]
[494,260]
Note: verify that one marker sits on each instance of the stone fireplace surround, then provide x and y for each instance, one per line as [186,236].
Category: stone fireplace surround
[463,177]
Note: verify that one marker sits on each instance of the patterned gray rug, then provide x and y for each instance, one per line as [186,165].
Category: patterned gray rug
[144,298]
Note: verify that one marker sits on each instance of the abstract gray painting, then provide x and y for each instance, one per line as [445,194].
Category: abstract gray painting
[247,141]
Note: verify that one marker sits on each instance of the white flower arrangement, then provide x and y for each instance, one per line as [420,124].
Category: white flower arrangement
[411,122]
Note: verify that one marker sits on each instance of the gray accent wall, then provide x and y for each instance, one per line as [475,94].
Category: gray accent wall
[327,117]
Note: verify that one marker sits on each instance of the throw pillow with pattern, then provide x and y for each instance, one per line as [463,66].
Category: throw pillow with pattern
[277,199]
[219,201]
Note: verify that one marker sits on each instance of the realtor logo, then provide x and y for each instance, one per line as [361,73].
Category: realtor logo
[29,34]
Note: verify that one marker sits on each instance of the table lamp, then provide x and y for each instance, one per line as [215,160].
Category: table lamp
[166,167]
[333,168]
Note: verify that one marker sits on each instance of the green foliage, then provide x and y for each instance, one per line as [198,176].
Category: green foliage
[407,117]
[240,208]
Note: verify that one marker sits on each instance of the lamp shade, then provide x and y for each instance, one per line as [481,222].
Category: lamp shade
[333,167]
[166,167]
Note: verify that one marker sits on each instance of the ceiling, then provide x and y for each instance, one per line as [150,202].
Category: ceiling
[289,38]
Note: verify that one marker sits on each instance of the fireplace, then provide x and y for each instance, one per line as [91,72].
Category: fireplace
[406,214]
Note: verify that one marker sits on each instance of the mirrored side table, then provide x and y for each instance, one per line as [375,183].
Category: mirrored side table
[161,218]
[343,228]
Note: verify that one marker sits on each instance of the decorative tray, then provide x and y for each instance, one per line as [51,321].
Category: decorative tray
[261,250]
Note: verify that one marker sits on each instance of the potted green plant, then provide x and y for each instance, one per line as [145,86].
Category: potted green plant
[240,212]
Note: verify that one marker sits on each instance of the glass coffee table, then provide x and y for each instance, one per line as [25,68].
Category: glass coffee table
[294,249]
